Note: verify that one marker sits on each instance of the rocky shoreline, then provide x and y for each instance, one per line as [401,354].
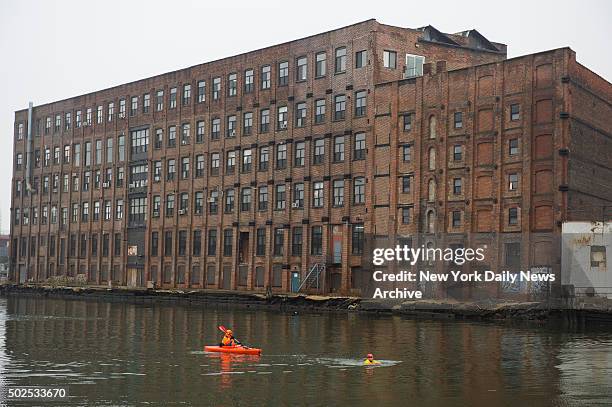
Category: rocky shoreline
[483,310]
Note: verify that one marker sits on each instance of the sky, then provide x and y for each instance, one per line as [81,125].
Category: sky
[52,50]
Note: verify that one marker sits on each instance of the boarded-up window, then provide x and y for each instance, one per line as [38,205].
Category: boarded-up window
[544,76]
[259,276]
[543,217]
[211,273]
[277,275]
[195,274]
[153,273]
[167,274]
[543,182]
[543,146]
[180,275]
[542,253]
[485,120]
[431,222]
[483,220]
[544,111]
[431,190]
[485,86]
[598,258]
[432,126]
[432,158]
[484,153]
[381,185]
[382,160]
[243,271]
[484,186]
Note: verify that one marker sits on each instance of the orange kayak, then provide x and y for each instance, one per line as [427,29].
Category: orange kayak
[233,349]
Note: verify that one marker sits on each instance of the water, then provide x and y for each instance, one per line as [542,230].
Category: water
[125,354]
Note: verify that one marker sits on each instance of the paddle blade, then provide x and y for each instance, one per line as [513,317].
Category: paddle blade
[222,328]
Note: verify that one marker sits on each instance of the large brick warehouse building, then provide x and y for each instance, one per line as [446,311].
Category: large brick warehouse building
[249,172]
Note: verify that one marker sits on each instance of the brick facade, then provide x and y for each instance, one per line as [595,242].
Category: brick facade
[463,73]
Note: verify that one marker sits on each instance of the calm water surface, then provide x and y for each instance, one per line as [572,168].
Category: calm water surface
[126,354]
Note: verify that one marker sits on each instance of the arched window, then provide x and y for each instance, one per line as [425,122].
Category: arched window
[432,126]
[431,190]
[431,222]
[432,158]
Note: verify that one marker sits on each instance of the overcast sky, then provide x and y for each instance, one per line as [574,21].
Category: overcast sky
[51,50]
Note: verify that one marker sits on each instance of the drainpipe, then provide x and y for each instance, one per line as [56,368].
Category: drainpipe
[29,150]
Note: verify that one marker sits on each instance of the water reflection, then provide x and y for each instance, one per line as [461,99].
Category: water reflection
[119,353]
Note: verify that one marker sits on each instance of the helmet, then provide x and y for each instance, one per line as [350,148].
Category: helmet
[370,356]
[229,332]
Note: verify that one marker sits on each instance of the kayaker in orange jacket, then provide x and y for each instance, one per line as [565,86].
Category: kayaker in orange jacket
[228,339]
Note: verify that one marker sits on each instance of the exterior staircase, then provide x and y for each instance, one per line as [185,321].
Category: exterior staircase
[314,278]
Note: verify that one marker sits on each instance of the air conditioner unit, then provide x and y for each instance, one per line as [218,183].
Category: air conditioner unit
[183,142]
[155,213]
[283,125]
[105,184]
[233,133]
[295,205]
[122,115]
[181,211]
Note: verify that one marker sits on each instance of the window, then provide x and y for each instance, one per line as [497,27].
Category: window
[598,257]
[361,59]
[200,129]
[172,98]
[281,156]
[407,153]
[338,192]
[196,245]
[214,163]
[172,136]
[515,112]
[300,114]
[109,148]
[183,203]
[67,154]
[185,168]
[319,111]
[263,198]
[146,103]
[302,69]
[201,91]
[185,133]
[260,247]
[170,169]
[265,77]
[134,106]
[359,190]
[316,241]
[414,65]
[99,114]
[339,107]
[169,205]
[432,158]
[231,126]
[458,120]
[230,162]
[279,241]
[360,103]
[168,243]
[107,210]
[228,236]
[212,242]
[407,122]
[339,149]
[156,206]
[320,64]
[319,151]
[456,219]
[317,194]
[249,81]
[513,255]
[229,200]
[296,241]
[216,88]
[299,154]
[154,243]
[247,123]
[245,199]
[264,158]
[159,100]
[282,117]
[457,152]
[213,205]
[357,239]
[232,84]
[119,209]
[247,160]
[513,146]
[121,143]
[111,114]
[140,142]
[340,62]
[390,59]
[138,210]
[280,197]
[513,180]
[457,186]
[79,117]
[264,120]
[406,180]
[360,146]
[513,216]
[298,195]
[215,129]
[159,138]
[283,73]
[58,125]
